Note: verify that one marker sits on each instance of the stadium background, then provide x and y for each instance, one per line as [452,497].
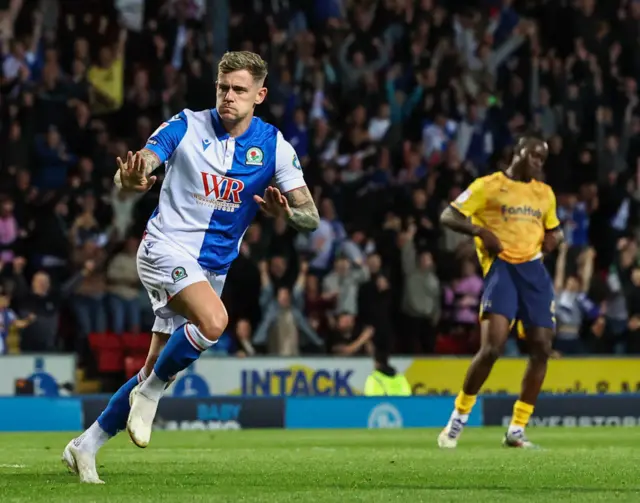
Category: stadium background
[393,106]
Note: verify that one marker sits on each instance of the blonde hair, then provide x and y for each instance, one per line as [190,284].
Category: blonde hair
[244,60]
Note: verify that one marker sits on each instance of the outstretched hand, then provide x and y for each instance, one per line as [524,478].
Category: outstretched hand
[274,203]
[133,173]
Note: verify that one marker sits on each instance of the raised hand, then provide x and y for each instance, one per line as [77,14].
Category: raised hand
[133,173]
[274,203]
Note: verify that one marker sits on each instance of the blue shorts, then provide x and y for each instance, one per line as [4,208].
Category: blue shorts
[521,292]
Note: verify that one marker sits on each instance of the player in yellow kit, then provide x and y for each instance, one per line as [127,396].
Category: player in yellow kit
[513,218]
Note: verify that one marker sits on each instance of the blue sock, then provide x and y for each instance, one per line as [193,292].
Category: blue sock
[114,418]
[183,348]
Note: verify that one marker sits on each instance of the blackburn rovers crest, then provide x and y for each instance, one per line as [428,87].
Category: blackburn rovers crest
[255,156]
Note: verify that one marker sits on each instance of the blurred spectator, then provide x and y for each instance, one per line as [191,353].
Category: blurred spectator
[619,281]
[243,336]
[632,293]
[393,107]
[123,288]
[122,205]
[345,340]
[9,231]
[9,320]
[85,227]
[225,346]
[341,285]
[53,160]
[89,296]
[281,242]
[107,76]
[574,217]
[44,303]
[50,241]
[421,297]
[385,380]
[375,309]
[462,296]
[283,321]
[573,306]
[326,238]
[357,247]
[317,306]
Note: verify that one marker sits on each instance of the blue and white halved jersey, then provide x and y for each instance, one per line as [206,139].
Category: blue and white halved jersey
[206,202]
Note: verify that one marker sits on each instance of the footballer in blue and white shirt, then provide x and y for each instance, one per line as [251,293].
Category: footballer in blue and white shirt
[220,165]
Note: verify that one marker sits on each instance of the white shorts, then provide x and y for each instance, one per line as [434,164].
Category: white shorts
[165,270]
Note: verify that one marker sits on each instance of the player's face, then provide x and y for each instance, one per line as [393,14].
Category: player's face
[535,157]
[237,93]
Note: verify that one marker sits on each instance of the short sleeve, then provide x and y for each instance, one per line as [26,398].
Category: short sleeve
[472,199]
[288,174]
[551,217]
[11,316]
[165,140]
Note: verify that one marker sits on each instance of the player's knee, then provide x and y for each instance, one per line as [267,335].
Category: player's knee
[213,324]
[541,351]
[490,352]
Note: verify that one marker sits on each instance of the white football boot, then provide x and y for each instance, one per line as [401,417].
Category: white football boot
[141,416]
[82,463]
[518,439]
[448,438]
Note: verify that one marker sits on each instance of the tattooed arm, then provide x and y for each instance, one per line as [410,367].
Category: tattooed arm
[296,206]
[304,214]
[133,173]
[291,199]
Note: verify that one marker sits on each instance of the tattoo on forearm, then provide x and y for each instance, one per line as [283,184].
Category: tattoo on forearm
[305,216]
[152,162]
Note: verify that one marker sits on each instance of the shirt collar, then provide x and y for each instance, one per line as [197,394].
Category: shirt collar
[221,132]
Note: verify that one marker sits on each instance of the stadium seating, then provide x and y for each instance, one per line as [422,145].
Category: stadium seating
[136,344]
[109,352]
[133,364]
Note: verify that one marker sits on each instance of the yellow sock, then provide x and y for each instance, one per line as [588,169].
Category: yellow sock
[521,414]
[464,403]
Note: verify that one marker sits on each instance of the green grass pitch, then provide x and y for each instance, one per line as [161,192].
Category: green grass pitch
[581,465]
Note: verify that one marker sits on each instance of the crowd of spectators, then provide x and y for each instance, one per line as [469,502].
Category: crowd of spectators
[393,107]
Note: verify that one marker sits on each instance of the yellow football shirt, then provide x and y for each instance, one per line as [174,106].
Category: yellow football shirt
[518,213]
[110,83]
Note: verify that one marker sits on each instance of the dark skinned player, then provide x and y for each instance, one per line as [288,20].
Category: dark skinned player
[512,217]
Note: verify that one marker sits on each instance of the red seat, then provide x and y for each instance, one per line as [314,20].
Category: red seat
[136,344]
[448,345]
[110,360]
[108,351]
[104,341]
[133,364]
